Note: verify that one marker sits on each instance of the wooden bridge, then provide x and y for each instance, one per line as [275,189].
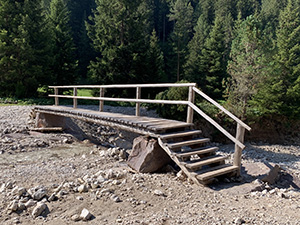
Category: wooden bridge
[185,145]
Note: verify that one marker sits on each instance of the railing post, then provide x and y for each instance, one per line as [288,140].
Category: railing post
[138,105]
[190,111]
[56,98]
[101,102]
[74,99]
[237,161]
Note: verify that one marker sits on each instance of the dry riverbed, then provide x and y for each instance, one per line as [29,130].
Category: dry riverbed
[52,178]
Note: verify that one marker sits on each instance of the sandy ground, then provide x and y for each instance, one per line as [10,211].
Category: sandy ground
[117,195]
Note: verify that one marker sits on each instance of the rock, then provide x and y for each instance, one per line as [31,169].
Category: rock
[75,218]
[13,206]
[2,188]
[19,191]
[30,203]
[80,198]
[39,209]
[115,198]
[147,156]
[272,176]
[273,191]
[21,206]
[239,221]
[39,194]
[83,188]
[181,175]
[158,193]
[52,197]
[85,215]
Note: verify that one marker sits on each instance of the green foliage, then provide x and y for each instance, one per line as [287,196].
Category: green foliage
[64,66]
[177,112]
[248,65]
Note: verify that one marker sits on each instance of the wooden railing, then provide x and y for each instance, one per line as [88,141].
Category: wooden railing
[241,126]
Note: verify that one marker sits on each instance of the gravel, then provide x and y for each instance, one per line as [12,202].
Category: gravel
[76,180]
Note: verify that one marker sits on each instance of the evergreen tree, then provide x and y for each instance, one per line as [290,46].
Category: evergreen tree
[181,14]
[64,66]
[213,60]
[193,67]
[281,93]
[120,34]
[24,48]
[248,65]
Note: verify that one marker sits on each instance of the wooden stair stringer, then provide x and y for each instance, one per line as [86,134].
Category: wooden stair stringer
[192,176]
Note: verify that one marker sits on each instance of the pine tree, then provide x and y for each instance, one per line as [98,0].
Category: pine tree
[213,60]
[181,14]
[24,49]
[282,91]
[248,65]
[120,34]
[193,68]
[64,64]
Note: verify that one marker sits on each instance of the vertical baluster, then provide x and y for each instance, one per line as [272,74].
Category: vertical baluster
[101,102]
[237,161]
[74,99]
[138,105]
[190,111]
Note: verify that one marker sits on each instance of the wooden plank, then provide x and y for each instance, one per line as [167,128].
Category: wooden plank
[180,134]
[129,85]
[221,108]
[172,102]
[216,171]
[47,129]
[171,125]
[205,161]
[188,143]
[101,102]
[176,160]
[197,151]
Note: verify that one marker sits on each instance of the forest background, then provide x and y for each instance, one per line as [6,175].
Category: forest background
[243,53]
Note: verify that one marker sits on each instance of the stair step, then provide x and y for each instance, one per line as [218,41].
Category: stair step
[215,172]
[197,151]
[187,143]
[205,161]
[180,134]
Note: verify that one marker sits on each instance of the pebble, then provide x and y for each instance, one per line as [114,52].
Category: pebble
[85,215]
[83,188]
[158,192]
[13,206]
[39,209]
[39,194]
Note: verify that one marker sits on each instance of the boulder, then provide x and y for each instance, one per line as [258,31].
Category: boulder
[147,156]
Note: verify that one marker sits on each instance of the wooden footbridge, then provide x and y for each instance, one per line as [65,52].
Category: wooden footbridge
[185,145]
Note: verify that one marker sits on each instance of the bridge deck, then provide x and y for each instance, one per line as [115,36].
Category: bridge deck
[137,124]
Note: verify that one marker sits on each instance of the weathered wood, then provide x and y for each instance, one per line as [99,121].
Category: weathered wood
[198,151]
[221,108]
[56,98]
[237,161]
[47,129]
[138,105]
[188,143]
[176,160]
[190,111]
[128,85]
[74,99]
[216,171]
[174,102]
[241,145]
[101,102]
[203,162]
[180,134]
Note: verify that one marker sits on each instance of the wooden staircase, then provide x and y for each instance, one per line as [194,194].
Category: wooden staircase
[194,156]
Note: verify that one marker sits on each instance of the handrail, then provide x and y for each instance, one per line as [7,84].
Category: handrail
[221,108]
[219,127]
[124,99]
[241,126]
[129,85]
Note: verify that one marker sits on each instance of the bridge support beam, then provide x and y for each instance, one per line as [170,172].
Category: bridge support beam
[49,120]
